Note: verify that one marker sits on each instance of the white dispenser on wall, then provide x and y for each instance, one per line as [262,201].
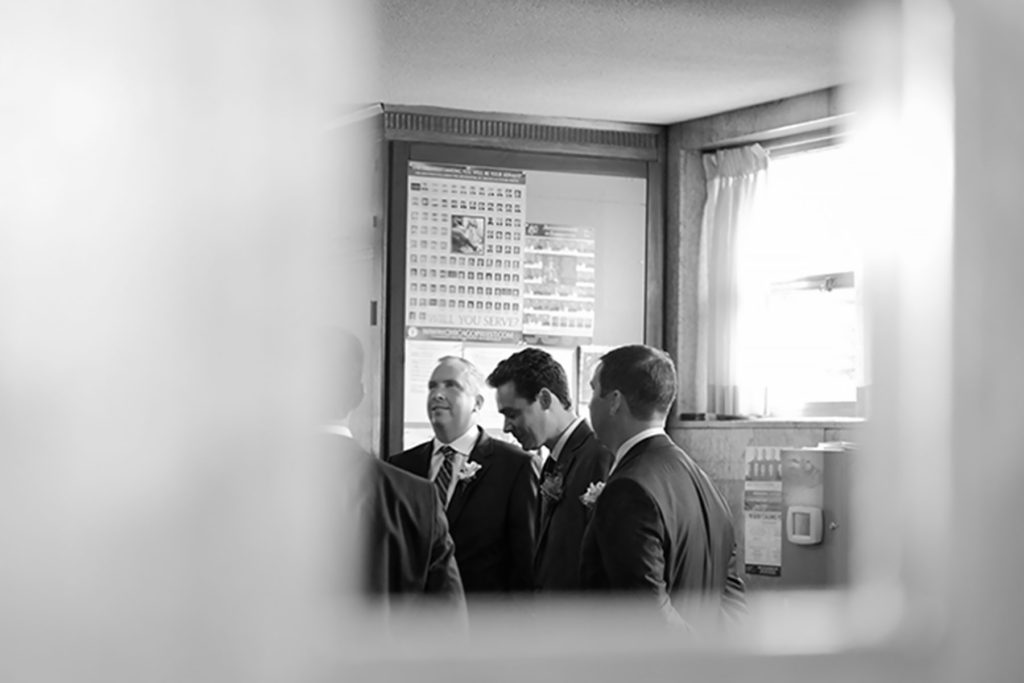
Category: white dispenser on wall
[797,521]
[816,519]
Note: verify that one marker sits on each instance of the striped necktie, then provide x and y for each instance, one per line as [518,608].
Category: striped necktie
[444,475]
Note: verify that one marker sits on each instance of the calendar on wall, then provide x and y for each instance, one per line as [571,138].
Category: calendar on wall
[464,253]
[559,285]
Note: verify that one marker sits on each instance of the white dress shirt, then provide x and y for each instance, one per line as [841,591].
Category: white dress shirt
[632,441]
[339,429]
[564,438]
[462,446]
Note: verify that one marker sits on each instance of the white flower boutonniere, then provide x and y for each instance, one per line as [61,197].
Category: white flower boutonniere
[468,470]
[589,498]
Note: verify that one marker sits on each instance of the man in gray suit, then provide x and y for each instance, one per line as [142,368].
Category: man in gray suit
[409,555]
[488,486]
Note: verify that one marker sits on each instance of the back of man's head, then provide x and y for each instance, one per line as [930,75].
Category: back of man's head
[346,350]
[645,376]
[532,370]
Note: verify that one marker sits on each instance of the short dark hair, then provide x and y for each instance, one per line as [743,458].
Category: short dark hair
[645,376]
[532,370]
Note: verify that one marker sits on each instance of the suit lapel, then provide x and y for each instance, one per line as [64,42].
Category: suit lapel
[565,462]
[547,509]
[480,454]
[421,460]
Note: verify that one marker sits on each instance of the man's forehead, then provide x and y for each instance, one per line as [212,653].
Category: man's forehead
[449,370]
[508,392]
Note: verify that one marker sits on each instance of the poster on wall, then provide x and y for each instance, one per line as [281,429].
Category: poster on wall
[464,253]
[558,285]
[762,511]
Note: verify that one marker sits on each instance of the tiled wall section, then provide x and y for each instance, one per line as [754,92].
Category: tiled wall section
[719,449]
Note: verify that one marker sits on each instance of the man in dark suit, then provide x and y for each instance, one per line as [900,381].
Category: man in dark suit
[532,392]
[409,550]
[660,528]
[488,486]
[404,532]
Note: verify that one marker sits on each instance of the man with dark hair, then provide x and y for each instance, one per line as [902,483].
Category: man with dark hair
[532,392]
[488,486]
[660,528]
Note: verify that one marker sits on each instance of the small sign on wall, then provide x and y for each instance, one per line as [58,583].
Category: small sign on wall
[762,511]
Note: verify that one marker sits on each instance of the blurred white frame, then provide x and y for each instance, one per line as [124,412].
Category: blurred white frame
[892,624]
[155,517]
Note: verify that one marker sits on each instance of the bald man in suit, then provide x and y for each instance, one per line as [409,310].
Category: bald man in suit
[489,486]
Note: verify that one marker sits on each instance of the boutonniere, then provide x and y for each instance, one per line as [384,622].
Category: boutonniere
[552,487]
[468,470]
[589,498]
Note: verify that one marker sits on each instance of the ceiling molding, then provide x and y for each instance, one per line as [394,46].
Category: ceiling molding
[790,117]
[523,133]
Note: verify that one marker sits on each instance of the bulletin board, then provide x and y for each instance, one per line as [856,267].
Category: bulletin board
[490,252]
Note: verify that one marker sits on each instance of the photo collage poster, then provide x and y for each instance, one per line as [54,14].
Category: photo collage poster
[559,285]
[464,253]
[481,283]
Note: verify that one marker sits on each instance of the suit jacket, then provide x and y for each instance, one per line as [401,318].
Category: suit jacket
[492,517]
[660,528]
[408,552]
[410,549]
[563,517]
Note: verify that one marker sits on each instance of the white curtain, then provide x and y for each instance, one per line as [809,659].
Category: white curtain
[735,177]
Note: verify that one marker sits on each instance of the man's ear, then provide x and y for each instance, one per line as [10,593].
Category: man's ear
[544,396]
[478,402]
[351,399]
[616,402]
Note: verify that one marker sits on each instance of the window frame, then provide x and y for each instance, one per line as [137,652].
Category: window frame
[790,126]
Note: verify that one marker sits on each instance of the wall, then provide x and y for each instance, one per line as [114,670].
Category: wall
[718,447]
[616,207]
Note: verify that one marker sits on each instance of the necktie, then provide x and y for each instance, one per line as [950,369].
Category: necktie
[549,468]
[444,475]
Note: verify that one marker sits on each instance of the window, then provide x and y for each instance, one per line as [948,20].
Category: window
[801,315]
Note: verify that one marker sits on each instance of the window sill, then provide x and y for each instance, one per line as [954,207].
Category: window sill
[768,423]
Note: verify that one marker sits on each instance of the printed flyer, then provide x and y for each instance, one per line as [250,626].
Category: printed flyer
[558,285]
[762,511]
[464,253]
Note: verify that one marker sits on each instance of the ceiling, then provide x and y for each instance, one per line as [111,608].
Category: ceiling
[644,61]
